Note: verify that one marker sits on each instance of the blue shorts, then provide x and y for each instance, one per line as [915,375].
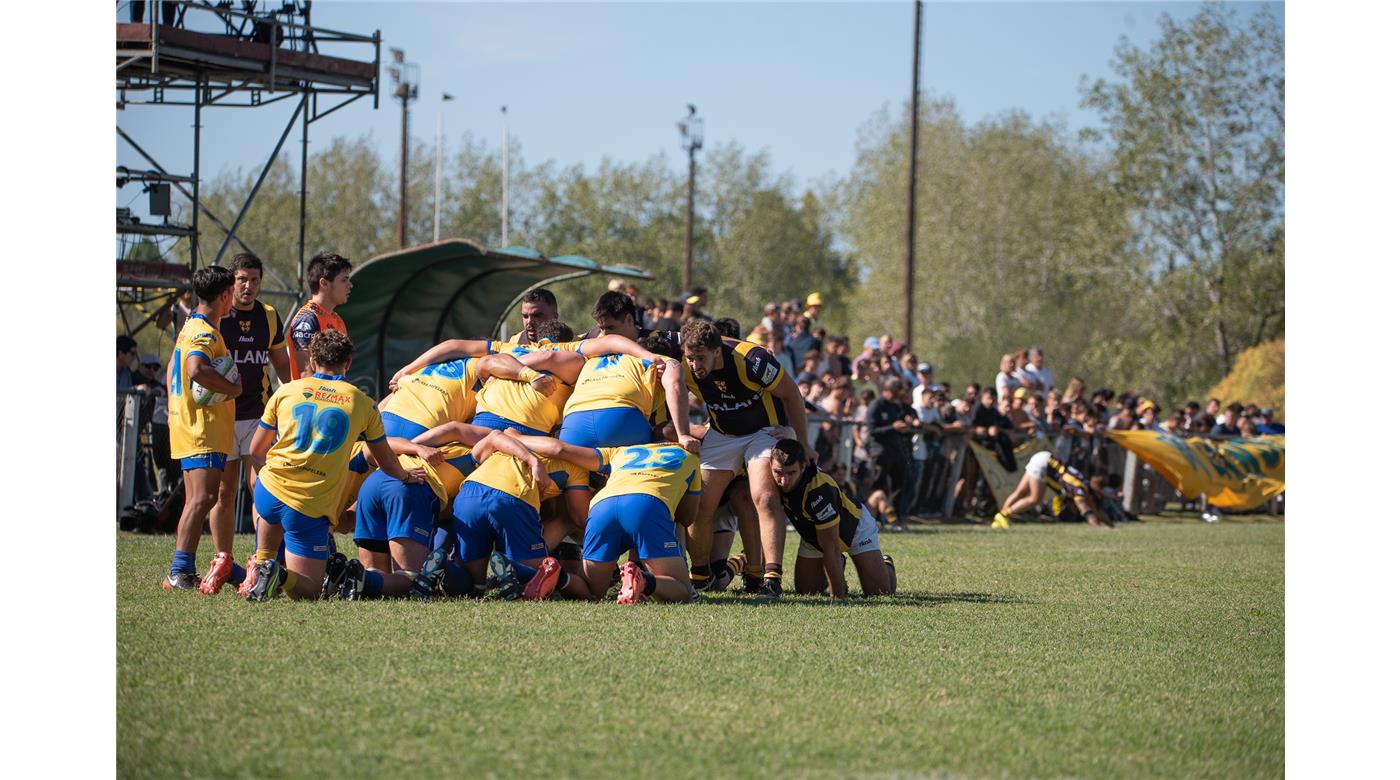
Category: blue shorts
[617,427]
[498,423]
[482,515]
[392,509]
[618,523]
[308,537]
[395,425]
[209,460]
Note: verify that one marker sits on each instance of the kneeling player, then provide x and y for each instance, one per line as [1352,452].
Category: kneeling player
[307,434]
[499,506]
[650,488]
[1043,470]
[829,523]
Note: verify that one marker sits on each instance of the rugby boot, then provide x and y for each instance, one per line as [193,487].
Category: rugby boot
[546,577]
[251,569]
[771,590]
[267,582]
[501,577]
[180,581]
[352,583]
[633,584]
[336,566]
[425,585]
[219,570]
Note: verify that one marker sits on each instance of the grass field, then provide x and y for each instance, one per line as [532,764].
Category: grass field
[1047,651]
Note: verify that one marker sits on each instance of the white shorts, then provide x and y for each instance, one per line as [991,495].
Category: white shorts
[726,521]
[1038,465]
[243,431]
[867,538]
[720,452]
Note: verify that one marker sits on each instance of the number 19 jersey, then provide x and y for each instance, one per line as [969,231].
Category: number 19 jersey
[318,419]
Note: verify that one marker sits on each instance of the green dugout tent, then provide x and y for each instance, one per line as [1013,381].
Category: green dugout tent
[406,301]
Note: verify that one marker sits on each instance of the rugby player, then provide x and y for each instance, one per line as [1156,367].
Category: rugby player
[435,394]
[307,434]
[499,505]
[747,394]
[328,280]
[536,307]
[201,437]
[651,488]
[1044,470]
[830,523]
[395,520]
[253,333]
[616,314]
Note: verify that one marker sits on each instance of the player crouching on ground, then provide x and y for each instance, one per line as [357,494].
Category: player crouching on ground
[829,523]
[650,488]
[307,435]
[1044,470]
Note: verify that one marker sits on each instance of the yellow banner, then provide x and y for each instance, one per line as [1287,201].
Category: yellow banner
[1001,481]
[1231,473]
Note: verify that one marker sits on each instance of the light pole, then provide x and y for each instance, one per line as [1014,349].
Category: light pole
[405,75]
[437,180]
[913,184]
[505,176]
[692,130]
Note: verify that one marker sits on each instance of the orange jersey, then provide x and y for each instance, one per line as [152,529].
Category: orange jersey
[309,320]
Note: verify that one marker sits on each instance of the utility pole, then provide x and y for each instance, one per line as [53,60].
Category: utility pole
[913,184]
[692,130]
[405,77]
[505,177]
[437,179]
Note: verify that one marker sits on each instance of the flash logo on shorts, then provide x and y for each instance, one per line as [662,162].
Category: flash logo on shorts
[319,548]
[539,546]
[669,545]
[421,531]
[866,540]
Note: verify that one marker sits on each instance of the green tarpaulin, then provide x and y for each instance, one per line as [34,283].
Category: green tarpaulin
[406,301]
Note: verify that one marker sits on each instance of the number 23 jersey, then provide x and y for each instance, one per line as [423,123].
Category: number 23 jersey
[318,419]
[658,469]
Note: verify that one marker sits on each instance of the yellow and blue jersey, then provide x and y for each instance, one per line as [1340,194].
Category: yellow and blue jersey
[666,471]
[195,429]
[615,382]
[445,478]
[512,476]
[438,393]
[521,403]
[318,419]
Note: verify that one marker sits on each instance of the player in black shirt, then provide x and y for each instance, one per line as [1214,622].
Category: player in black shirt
[830,523]
[747,396]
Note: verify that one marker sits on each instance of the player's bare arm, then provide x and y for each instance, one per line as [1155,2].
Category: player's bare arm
[452,349]
[830,538]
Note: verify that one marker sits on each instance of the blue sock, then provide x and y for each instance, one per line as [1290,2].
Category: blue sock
[457,581]
[522,572]
[182,563]
[374,584]
[237,575]
[282,553]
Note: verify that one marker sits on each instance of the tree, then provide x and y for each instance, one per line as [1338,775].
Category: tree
[1196,126]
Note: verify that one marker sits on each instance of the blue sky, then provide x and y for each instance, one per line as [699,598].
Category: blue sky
[586,81]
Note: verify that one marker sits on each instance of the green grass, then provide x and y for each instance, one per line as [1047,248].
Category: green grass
[1047,651]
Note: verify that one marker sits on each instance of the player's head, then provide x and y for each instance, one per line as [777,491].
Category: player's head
[787,464]
[331,351]
[536,307]
[658,344]
[213,285]
[554,330]
[328,274]
[616,314]
[126,351]
[700,342]
[247,279]
[728,327]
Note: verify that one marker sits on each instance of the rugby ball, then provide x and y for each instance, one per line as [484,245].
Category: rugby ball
[202,395]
